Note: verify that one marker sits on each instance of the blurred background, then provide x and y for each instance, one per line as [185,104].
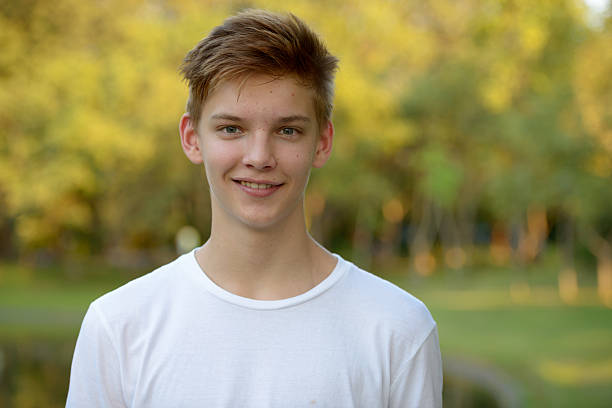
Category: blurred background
[472,166]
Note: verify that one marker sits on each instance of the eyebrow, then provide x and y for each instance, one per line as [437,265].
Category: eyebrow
[282,120]
[294,118]
[225,116]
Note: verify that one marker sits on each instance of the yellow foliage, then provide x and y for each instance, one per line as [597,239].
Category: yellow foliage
[106,142]
[601,165]
[497,91]
[11,44]
[90,94]
[372,110]
[532,37]
[594,89]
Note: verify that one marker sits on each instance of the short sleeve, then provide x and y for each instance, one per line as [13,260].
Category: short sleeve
[419,382]
[95,376]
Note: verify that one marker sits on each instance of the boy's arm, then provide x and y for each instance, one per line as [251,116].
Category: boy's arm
[419,381]
[95,377]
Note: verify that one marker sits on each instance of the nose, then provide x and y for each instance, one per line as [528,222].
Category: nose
[259,152]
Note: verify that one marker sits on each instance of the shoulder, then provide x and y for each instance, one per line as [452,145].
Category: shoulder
[387,305]
[142,294]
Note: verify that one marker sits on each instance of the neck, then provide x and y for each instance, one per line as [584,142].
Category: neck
[277,262]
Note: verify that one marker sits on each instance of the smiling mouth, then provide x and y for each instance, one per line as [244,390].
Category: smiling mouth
[256,185]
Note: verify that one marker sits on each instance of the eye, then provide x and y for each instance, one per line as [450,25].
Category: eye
[288,131]
[230,129]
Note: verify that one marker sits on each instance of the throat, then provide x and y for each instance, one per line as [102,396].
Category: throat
[265,273]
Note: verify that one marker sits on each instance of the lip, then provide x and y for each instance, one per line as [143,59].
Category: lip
[258,192]
[257,181]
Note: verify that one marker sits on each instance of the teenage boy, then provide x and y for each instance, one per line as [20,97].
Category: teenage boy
[260,315]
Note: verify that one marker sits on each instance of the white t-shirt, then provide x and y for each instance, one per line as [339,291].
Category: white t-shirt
[173,338]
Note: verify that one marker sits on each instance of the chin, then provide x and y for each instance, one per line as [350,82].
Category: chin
[260,220]
[260,223]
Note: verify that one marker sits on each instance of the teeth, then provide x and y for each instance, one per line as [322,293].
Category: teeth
[255,185]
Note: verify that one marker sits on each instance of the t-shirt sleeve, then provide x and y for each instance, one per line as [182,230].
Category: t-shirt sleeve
[419,381]
[95,376]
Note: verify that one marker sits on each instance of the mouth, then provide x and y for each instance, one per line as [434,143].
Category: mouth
[259,186]
[260,189]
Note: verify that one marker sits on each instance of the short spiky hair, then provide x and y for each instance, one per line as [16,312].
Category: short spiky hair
[260,42]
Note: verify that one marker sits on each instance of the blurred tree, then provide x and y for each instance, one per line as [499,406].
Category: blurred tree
[448,114]
[90,100]
[592,198]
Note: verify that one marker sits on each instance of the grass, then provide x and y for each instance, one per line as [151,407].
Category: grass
[556,355]
[50,302]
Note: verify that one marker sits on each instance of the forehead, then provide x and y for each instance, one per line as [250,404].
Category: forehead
[260,96]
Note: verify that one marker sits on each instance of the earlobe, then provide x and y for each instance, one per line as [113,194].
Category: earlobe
[189,139]
[324,145]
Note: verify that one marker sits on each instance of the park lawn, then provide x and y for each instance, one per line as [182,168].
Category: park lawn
[555,355]
[559,356]
[45,303]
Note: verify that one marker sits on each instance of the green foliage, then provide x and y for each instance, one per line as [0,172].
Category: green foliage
[478,104]
[442,178]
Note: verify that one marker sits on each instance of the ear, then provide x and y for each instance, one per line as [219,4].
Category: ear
[324,145]
[190,141]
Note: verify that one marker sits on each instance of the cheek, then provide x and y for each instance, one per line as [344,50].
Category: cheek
[301,164]
[219,157]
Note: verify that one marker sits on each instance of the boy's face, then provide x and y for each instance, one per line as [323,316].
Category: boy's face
[258,144]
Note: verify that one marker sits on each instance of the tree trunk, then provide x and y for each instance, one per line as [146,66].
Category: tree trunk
[362,239]
[466,216]
[568,278]
[420,248]
[602,249]
[454,254]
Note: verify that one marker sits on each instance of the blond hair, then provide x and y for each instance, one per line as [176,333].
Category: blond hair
[260,42]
